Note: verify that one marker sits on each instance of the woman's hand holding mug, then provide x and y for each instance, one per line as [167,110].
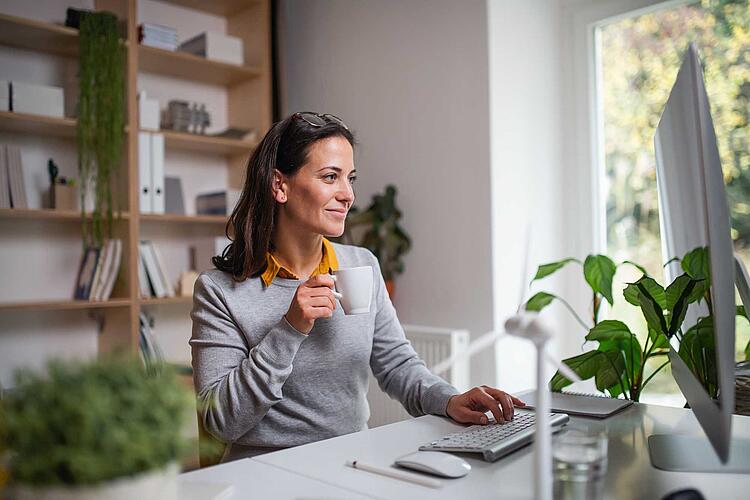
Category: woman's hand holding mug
[313,299]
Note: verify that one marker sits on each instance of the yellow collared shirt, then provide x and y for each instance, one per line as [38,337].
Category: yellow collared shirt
[328,263]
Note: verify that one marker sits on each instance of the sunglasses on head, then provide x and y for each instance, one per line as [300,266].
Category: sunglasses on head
[319,120]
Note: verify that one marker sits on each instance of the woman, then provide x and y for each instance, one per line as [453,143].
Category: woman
[276,361]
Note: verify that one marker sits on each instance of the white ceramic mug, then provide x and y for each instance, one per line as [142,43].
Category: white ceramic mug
[354,289]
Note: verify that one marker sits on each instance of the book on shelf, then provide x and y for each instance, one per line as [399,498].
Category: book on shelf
[150,351]
[98,271]
[217,203]
[154,272]
[157,35]
[86,273]
[173,199]
[15,184]
[4,187]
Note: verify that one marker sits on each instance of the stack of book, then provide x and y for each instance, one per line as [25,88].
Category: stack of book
[98,271]
[152,276]
[156,35]
[12,184]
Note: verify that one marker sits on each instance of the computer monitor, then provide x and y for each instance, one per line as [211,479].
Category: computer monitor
[693,213]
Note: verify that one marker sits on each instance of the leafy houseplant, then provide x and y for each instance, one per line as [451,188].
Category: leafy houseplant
[101,111]
[382,235]
[619,361]
[82,426]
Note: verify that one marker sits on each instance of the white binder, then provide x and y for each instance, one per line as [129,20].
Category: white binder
[144,172]
[157,173]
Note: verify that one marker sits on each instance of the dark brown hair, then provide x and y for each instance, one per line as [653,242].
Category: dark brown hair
[285,148]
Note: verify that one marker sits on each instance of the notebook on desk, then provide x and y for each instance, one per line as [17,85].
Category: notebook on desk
[584,405]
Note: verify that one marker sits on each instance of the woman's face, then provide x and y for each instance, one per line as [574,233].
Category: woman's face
[318,196]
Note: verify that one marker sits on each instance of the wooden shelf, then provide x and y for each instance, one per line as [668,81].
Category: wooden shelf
[217,7]
[37,124]
[187,219]
[207,144]
[47,214]
[37,35]
[57,305]
[166,300]
[192,67]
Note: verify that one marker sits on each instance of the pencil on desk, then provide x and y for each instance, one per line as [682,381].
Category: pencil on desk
[396,474]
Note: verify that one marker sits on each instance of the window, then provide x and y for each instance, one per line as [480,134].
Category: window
[638,58]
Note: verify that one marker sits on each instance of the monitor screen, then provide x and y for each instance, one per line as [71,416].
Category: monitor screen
[694,218]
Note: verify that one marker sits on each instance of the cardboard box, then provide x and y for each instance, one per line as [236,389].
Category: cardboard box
[37,99]
[228,49]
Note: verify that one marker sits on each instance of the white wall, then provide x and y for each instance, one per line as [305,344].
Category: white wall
[527,178]
[411,80]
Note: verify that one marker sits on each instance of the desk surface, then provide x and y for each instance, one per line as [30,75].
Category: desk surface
[630,474]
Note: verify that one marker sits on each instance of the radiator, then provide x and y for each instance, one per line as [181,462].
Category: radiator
[432,345]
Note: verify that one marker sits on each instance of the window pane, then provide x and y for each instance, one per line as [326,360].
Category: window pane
[639,58]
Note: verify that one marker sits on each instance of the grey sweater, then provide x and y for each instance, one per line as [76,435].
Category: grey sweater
[269,386]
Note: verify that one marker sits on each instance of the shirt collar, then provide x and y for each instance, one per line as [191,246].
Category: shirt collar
[328,262]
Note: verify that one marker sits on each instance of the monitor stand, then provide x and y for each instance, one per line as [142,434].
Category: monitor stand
[676,453]
[680,453]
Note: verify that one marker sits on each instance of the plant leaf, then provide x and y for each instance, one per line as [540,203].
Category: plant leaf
[599,271]
[611,369]
[654,289]
[678,293]
[652,311]
[631,350]
[539,301]
[609,330]
[584,365]
[741,312]
[659,339]
[695,263]
[546,269]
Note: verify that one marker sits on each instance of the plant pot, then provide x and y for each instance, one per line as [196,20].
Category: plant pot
[160,484]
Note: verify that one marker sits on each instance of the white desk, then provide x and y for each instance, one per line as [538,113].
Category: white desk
[630,474]
[254,480]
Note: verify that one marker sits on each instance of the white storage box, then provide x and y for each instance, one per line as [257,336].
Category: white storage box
[148,112]
[217,47]
[4,95]
[37,99]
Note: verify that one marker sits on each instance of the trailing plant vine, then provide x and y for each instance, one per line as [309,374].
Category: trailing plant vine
[101,111]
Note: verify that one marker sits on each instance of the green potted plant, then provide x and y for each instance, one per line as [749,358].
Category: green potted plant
[618,364]
[377,228]
[101,115]
[95,430]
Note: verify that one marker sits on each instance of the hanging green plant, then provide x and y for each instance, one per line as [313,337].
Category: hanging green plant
[101,111]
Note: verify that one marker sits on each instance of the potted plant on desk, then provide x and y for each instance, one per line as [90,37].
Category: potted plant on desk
[95,430]
[618,364]
[377,228]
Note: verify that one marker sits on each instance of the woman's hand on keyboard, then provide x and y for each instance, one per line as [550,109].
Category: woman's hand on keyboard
[469,407]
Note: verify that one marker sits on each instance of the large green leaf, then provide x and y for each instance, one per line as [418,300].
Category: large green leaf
[696,264]
[611,369]
[698,351]
[652,311]
[632,352]
[678,293]
[654,289]
[547,269]
[584,365]
[539,301]
[599,271]
[609,330]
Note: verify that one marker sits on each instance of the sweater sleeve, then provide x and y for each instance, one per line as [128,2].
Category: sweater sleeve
[236,385]
[398,369]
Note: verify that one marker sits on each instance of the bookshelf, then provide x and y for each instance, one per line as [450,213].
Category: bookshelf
[246,91]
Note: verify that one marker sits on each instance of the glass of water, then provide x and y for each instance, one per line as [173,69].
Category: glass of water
[579,459]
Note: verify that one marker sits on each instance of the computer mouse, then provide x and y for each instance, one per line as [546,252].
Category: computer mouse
[435,462]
